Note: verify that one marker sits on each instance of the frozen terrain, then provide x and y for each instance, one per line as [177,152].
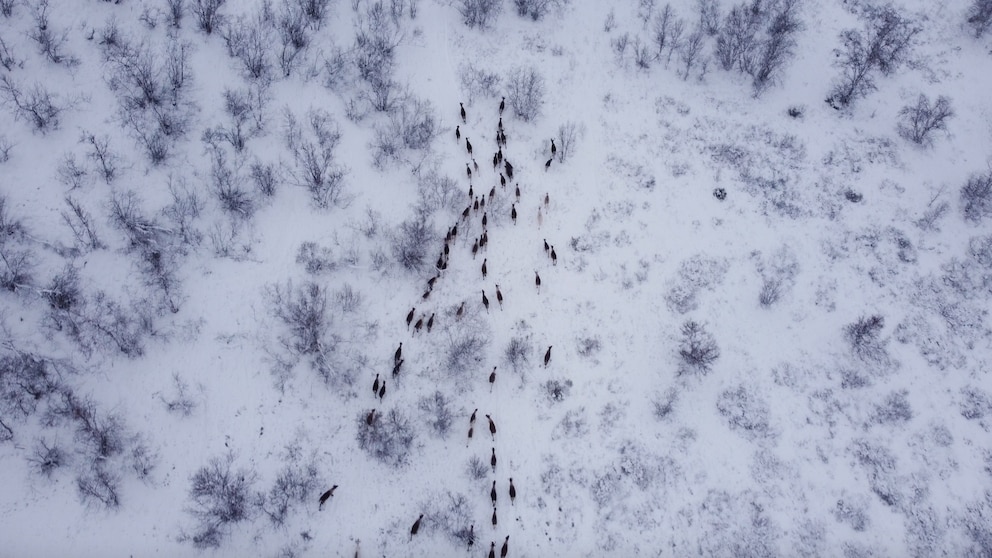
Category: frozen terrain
[765,331]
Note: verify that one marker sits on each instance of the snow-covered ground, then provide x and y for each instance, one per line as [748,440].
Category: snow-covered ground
[798,369]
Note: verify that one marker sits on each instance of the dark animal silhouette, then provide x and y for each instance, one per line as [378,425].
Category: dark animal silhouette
[475,204]
[492,194]
[492,427]
[462,106]
[475,166]
[537,281]
[375,386]
[471,192]
[502,105]
[495,521]
[547,247]
[461,310]
[427,293]
[445,251]
[484,260]
[482,202]
[492,493]
[495,162]
[466,212]
[554,148]
[484,240]
[396,367]
[471,536]
[471,429]
[499,126]
[432,280]
[513,213]
[506,547]
[458,133]
[554,256]
[430,324]
[416,526]
[370,418]
[517,193]
[485,219]
[492,461]
[502,181]
[513,491]
[492,379]
[409,317]
[492,550]
[547,357]
[499,297]
[454,229]
[468,146]
[547,165]
[471,419]
[499,152]
[485,301]
[468,171]
[509,169]
[326,496]
[418,326]
[547,199]
[382,390]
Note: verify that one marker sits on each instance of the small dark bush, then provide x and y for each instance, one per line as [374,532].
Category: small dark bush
[697,348]
[865,339]
[316,259]
[207,13]
[919,122]
[744,410]
[720,194]
[853,512]
[975,403]
[296,483]
[895,409]
[664,404]
[479,13]
[220,495]
[99,485]
[979,16]
[980,249]
[976,197]
[389,438]
[557,390]
[47,458]
[410,243]
[796,112]
[436,411]
[525,92]
[303,311]
[476,468]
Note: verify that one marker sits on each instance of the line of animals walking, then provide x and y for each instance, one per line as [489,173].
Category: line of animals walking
[416,321]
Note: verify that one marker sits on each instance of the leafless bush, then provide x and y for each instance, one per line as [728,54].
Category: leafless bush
[537,9]
[207,13]
[101,323]
[250,42]
[884,45]
[478,82]
[976,197]
[298,480]
[315,10]
[980,16]
[476,469]
[525,92]
[777,47]
[479,13]
[410,243]
[174,11]
[265,177]
[70,173]
[921,121]
[101,154]
[45,458]
[101,485]
[697,348]
[690,51]
[226,185]
[182,402]
[7,59]
[51,42]
[220,495]
[436,411]
[316,259]
[291,25]
[437,192]
[27,381]
[312,147]
[7,7]
[865,339]
[642,54]
[745,411]
[389,438]
[182,212]
[737,38]
[709,16]
[619,45]
[303,311]
[37,105]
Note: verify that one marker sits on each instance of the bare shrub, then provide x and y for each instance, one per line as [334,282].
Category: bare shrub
[312,147]
[738,36]
[709,16]
[70,173]
[437,192]
[41,108]
[478,82]
[220,495]
[976,197]
[182,402]
[537,9]
[525,92]
[297,481]
[777,48]
[697,348]
[517,353]
[207,14]
[100,153]
[864,337]
[410,243]
[980,16]
[664,404]
[567,138]
[885,43]
[316,259]
[479,13]
[557,390]
[51,42]
[921,121]
[45,458]
[436,411]
[303,310]
[745,411]
[476,468]
[689,52]
[7,7]
[99,484]
[264,177]
[250,41]
[895,409]
[5,148]
[389,438]
[174,12]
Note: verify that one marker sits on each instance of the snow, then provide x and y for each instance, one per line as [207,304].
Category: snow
[777,451]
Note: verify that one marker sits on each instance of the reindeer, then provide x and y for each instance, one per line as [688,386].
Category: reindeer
[485,219]
[502,181]
[509,168]
[492,379]
[537,281]
[471,419]
[492,461]
[466,212]
[554,148]
[499,151]
[547,200]
[399,353]
[547,165]
[460,311]
[454,229]
[475,166]
[468,146]
[484,240]
[495,521]
[492,427]
[375,386]
[418,326]
[458,133]
[416,524]
[370,418]
[513,213]
[397,366]
[540,217]
[499,126]
[430,323]
[326,496]
[482,203]
[492,194]
[471,193]
[471,536]
[484,260]
[513,491]
[432,280]
[462,106]
[495,162]
[492,547]
[475,248]
[427,293]
[518,192]
[382,391]
[554,256]
[492,493]
[547,357]
[468,171]
[475,204]
[502,105]
[547,247]
[485,301]
[506,547]
[409,317]
[471,429]
[499,297]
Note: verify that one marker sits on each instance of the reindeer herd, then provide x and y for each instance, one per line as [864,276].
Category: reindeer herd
[416,321]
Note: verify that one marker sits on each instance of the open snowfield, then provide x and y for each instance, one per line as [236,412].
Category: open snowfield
[765,331]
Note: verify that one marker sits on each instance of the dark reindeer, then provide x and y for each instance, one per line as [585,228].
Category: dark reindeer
[492,427]
[502,105]
[513,213]
[484,240]
[382,391]
[499,297]
[547,357]
[462,107]
[554,256]
[468,146]
[430,324]
[485,300]
[416,524]
[471,536]
[513,491]
[502,181]
[458,133]
[409,317]
[554,148]
[495,162]
[506,547]
[418,326]
[492,461]
[475,166]
[326,496]
[492,194]
[485,219]
[468,171]
[509,169]
[492,379]
[537,281]
[547,165]
[396,367]
[460,311]
[370,418]
[517,193]
[471,419]
[492,549]
[466,212]
[547,200]
[475,205]
[492,493]
[375,386]
[471,193]
[495,521]
[484,270]
[547,247]
[427,293]
[499,126]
